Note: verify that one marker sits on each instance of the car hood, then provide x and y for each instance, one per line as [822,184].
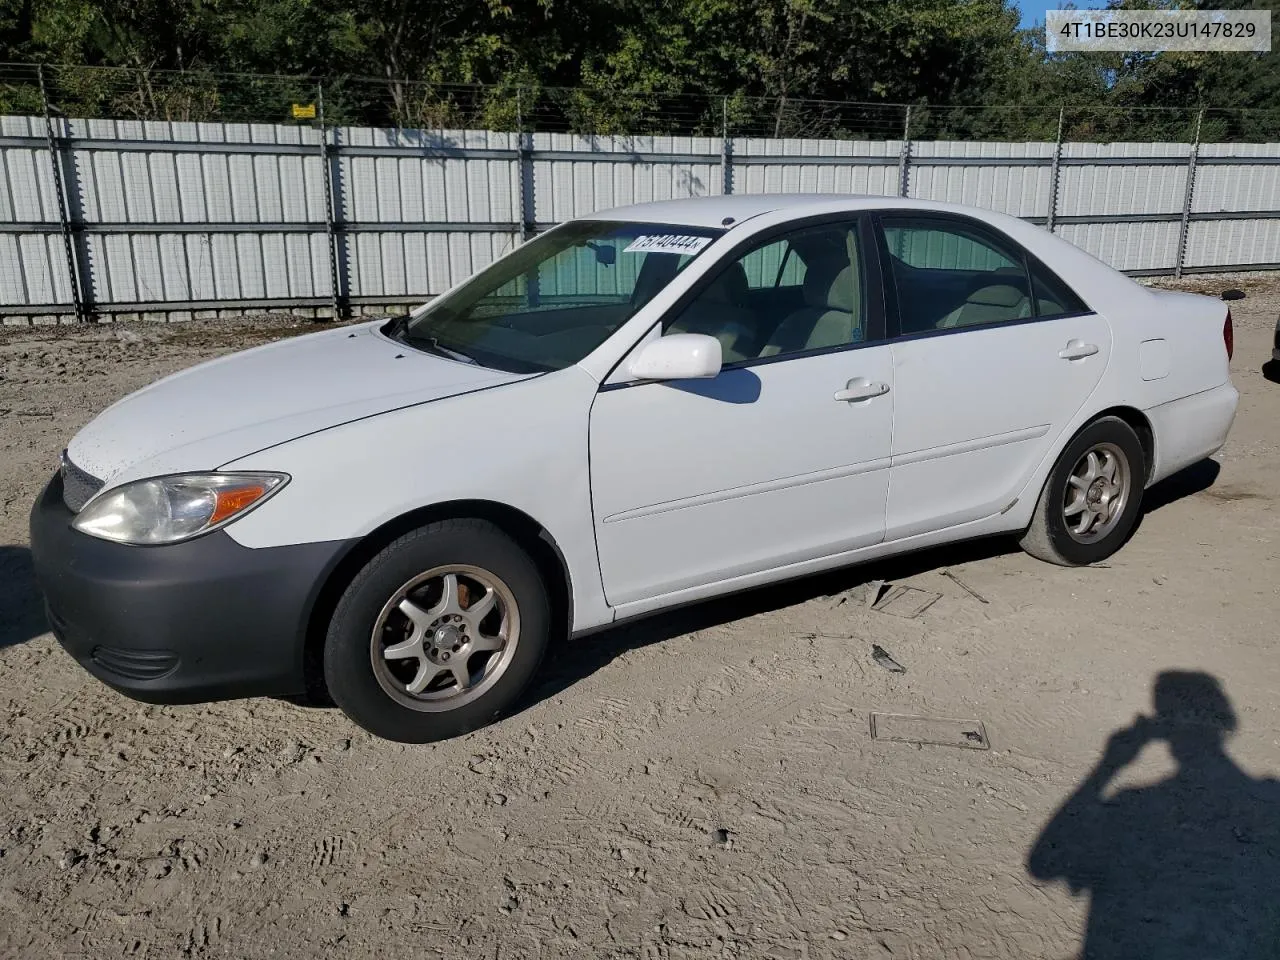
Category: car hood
[233,406]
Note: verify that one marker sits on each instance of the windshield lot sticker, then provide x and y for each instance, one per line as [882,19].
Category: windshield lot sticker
[667,243]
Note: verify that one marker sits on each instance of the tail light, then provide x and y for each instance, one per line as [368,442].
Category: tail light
[1228,336]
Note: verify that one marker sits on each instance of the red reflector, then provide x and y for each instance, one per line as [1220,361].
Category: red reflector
[1228,336]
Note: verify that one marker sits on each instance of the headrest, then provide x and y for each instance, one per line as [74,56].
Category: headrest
[730,287]
[830,286]
[998,296]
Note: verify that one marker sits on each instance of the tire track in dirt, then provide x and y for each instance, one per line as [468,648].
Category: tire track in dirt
[832,846]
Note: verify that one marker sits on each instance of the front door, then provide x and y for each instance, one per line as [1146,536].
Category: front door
[781,458]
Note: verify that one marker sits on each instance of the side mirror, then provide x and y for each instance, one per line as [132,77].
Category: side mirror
[678,356]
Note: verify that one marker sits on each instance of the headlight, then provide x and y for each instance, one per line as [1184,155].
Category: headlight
[170,509]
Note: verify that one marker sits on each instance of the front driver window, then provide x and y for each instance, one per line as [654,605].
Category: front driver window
[805,290]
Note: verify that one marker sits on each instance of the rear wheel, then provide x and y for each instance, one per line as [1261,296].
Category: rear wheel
[1092,498]
[439,634]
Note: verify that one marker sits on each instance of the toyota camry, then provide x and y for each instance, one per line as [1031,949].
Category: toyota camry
[634,410]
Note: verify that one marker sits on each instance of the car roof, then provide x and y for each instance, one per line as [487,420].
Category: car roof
[713,211]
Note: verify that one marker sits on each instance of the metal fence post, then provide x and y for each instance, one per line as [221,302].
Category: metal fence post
[524,170]
[726,149]
[904,155]
[1189,195]
[338,297]
[59,190]
[1053,173]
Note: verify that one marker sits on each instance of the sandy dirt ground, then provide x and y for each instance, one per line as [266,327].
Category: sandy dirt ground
[701,784]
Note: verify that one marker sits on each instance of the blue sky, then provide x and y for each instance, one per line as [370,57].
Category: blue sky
[1033,10]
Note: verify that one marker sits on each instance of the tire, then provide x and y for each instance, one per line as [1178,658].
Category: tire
[1054,534]
[498,652]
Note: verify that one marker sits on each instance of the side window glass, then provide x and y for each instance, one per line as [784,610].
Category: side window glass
[773,265]
[942,249]
[1053,297]
[803,291]
[953,275]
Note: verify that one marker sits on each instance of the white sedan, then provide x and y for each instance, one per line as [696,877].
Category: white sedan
[636,409]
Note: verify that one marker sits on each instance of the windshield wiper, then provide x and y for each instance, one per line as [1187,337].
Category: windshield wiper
[432,345]
[398,329]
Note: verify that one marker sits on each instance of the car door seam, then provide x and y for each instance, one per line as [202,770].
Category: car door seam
[595,521]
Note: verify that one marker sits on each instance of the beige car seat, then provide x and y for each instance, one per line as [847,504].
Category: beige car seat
[992,304]
[720,311]
[831,316]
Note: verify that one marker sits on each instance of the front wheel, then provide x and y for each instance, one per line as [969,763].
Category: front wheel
[439,634]
[1092,497]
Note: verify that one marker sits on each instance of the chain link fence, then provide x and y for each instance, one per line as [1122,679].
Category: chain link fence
[203,96]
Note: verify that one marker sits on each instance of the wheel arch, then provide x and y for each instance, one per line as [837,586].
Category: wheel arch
[517,524]
[1030,493]
[1136,419]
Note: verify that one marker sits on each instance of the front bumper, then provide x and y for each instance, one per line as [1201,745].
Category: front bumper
[188,622]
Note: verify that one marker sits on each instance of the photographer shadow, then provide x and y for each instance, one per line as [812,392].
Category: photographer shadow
[1188,867]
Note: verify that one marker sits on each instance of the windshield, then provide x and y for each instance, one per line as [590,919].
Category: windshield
[553,300]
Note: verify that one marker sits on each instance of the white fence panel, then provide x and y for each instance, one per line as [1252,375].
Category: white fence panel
[1100,189]
[176,215]
[1221,243]
[754,173]
[1237,187]
[617,171]
[33,268]
[1021,190]
[1126,246]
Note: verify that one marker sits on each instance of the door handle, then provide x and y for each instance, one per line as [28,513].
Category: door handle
[860,388]
[1077,350]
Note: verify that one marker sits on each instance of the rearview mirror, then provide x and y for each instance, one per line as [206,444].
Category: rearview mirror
[606,253]
[678,356]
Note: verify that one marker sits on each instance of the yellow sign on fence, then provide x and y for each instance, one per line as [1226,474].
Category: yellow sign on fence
[304,111]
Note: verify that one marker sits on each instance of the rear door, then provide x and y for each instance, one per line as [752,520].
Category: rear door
[992,357]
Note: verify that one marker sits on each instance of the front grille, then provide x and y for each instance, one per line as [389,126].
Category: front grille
[77,486]
[135,664]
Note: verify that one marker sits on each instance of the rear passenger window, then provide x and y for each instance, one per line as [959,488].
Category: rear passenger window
[944,249]
[1053,297]
[949,274]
